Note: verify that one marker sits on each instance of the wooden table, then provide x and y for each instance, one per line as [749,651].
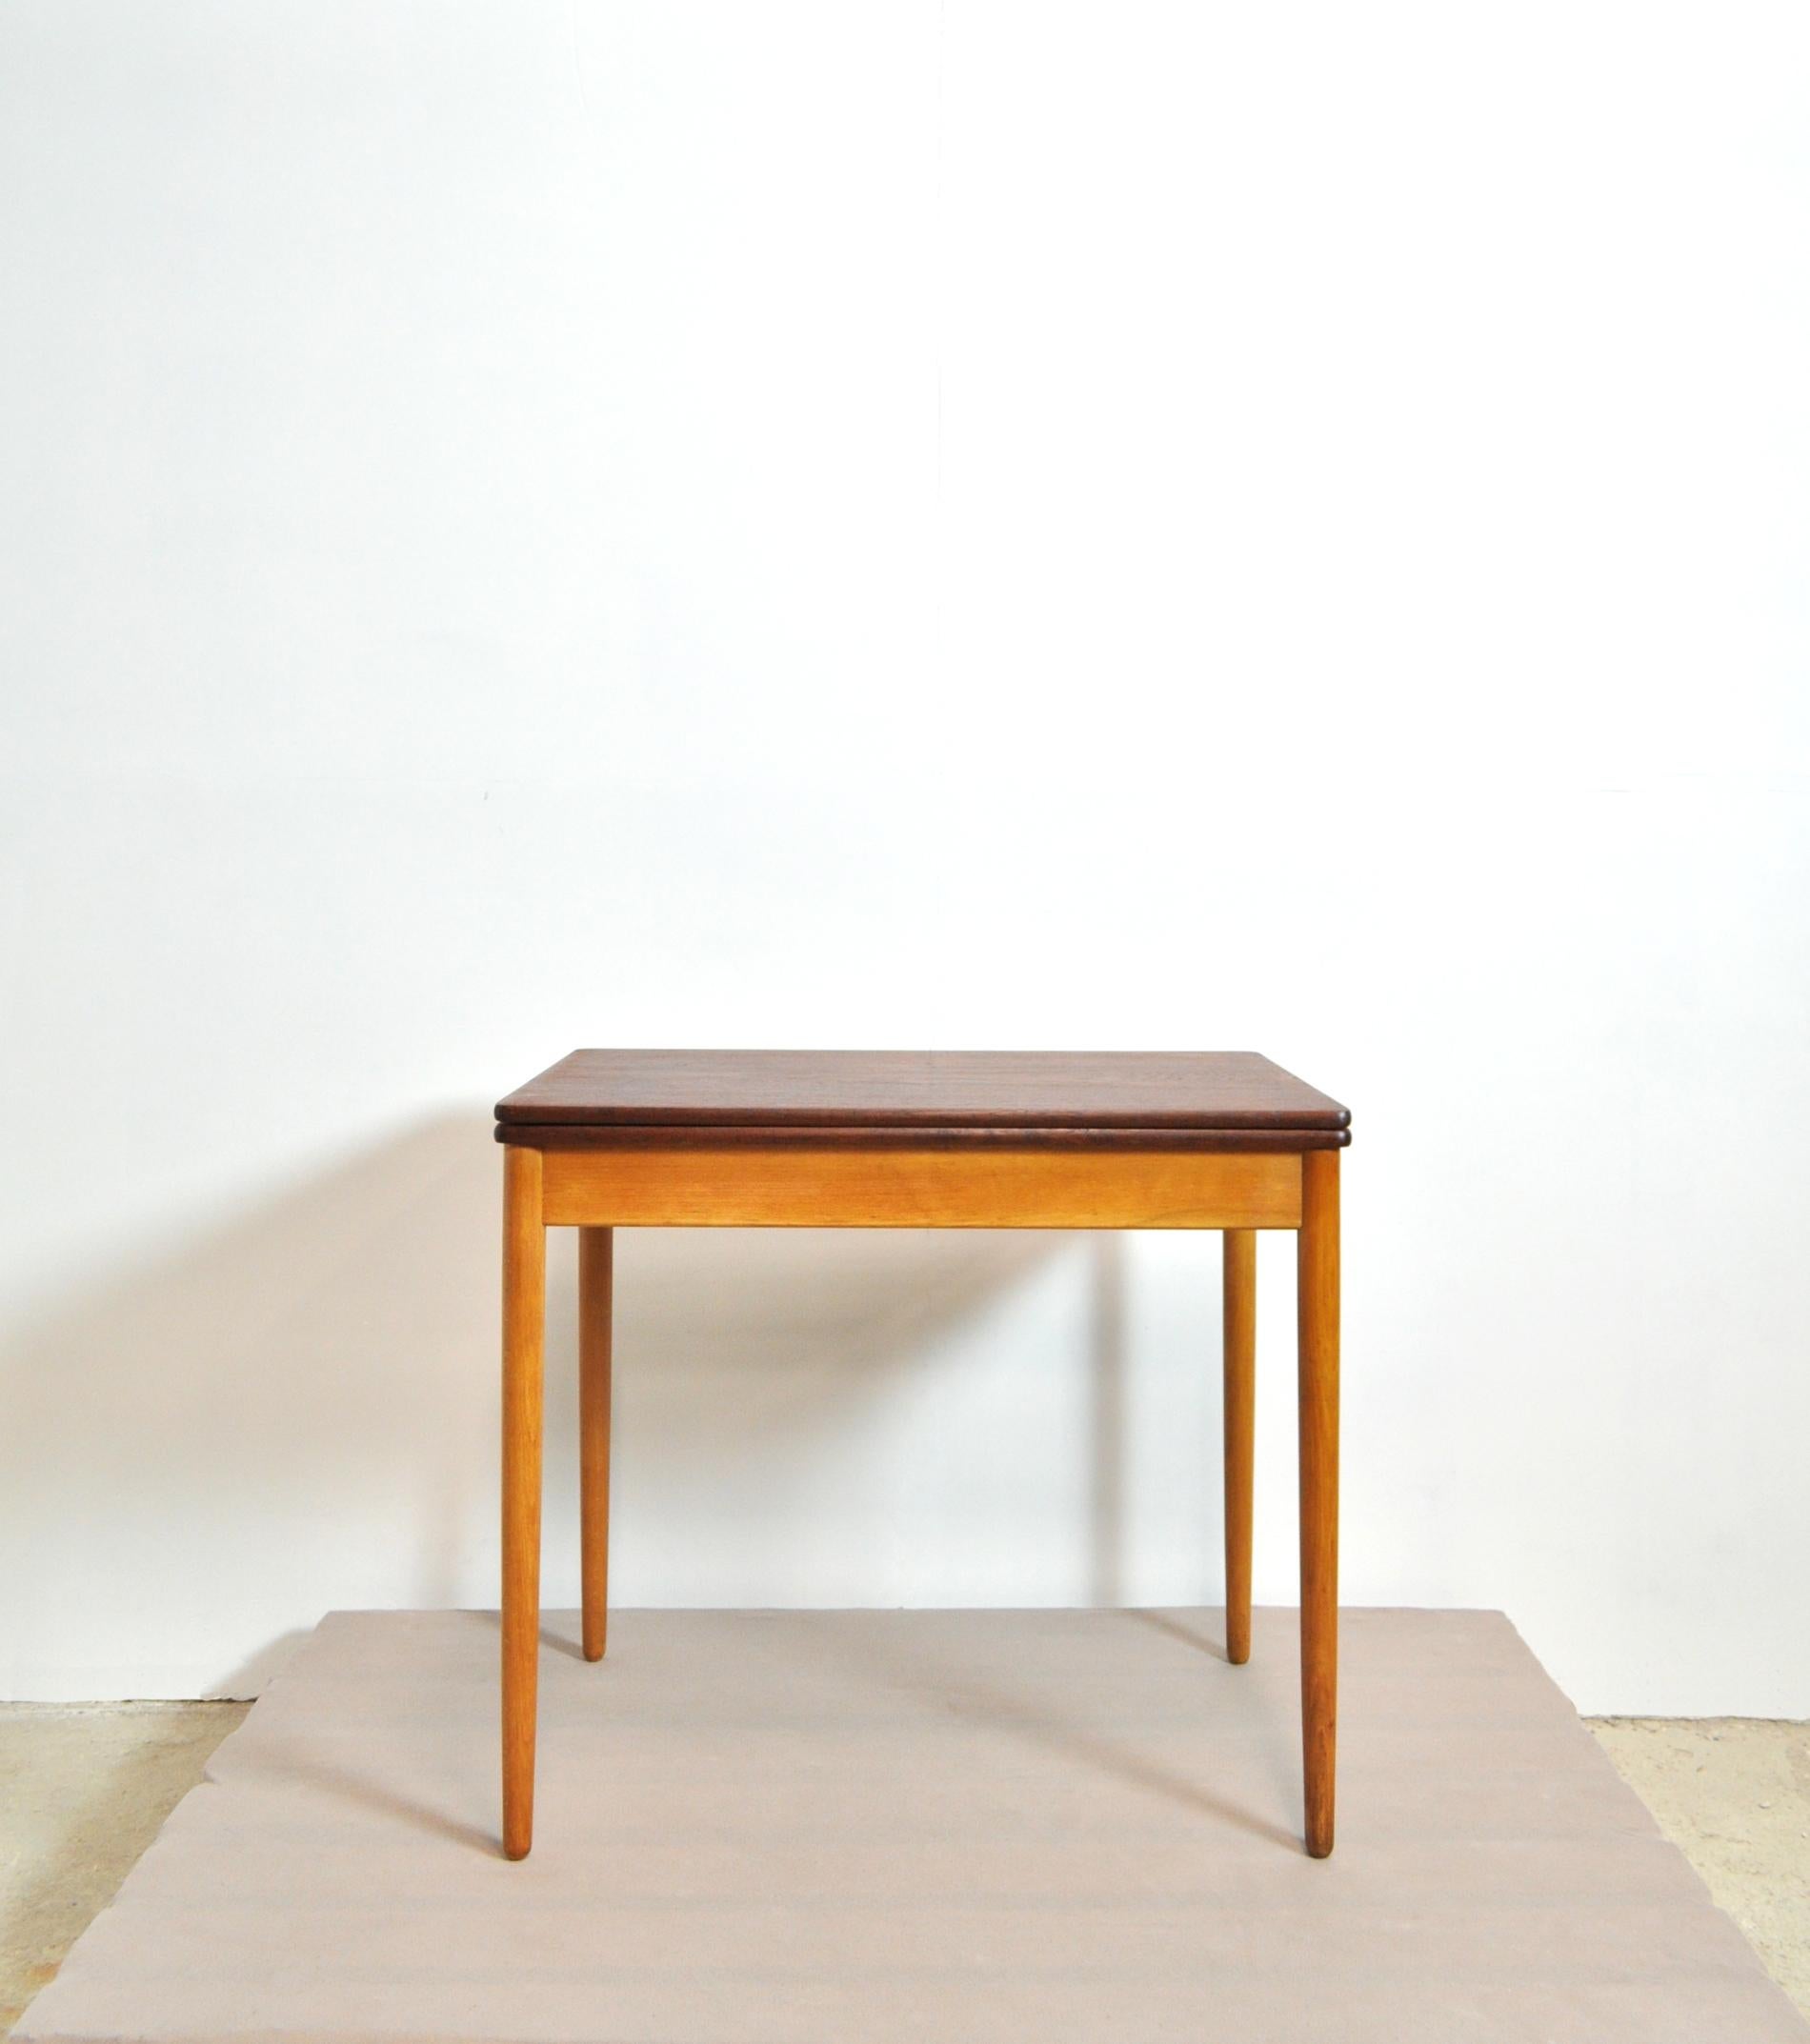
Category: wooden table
[609,1139]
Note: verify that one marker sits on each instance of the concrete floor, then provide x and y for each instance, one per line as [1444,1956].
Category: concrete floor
[84,1789]
[1732,1794]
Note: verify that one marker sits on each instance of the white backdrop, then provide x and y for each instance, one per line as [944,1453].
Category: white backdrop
[971,525]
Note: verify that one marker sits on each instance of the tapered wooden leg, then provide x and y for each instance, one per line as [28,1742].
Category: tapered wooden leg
[1318,1279]
[1240,1434]
[594,1260]
[524,1305]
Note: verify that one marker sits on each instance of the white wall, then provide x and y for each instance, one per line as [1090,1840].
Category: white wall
[965,525]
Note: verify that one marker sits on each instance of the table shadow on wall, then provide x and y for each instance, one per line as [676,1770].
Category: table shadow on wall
[327,1359]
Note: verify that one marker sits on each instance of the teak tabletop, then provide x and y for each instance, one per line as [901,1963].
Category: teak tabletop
[1228,1093]
[1223,1140]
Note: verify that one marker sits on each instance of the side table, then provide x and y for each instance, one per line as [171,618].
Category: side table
[609,1139]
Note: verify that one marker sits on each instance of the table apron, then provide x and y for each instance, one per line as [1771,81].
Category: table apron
[795,1187]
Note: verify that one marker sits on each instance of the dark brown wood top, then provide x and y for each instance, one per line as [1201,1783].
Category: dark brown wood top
[1084,1096]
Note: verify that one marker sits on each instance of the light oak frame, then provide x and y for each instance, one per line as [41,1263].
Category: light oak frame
[811,1185]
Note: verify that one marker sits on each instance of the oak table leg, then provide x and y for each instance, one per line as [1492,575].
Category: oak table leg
[1318,1281]
[524,1308]
[594,1288]
[1240,1434]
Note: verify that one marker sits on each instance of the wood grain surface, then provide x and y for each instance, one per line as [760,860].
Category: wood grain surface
[681,1135]
[524,1320]
[1239,1369]
[745,1187]
[1222,1090]
[596,1291]
[1317,1298]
